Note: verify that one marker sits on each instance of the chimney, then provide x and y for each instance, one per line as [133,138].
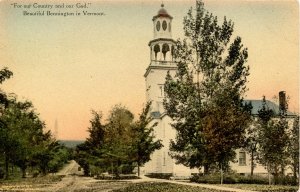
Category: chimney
[282,102]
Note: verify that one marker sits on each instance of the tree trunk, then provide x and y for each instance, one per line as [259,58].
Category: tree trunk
[252,163]
[269,175]
[23,172]
[276,175]
[206,169]
[138,169]
[295,173]
[221,174]
[6,166]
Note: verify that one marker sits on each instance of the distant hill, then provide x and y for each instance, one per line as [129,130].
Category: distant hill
[71,143]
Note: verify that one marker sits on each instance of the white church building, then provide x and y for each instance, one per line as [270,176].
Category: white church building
[161,61]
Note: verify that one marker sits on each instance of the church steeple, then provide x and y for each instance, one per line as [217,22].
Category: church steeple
[162,45]
[161,57]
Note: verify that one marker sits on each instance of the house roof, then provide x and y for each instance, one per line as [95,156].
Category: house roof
[257,105]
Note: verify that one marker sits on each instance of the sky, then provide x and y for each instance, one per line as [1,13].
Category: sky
[68,66]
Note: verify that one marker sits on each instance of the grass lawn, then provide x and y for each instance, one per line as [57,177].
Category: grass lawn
[21,184]
[162,187]
[263,188]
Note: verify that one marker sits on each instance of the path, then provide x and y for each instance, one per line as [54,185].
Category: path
[74,181]
[222,188]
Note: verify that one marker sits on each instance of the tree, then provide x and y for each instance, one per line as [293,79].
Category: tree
[90,153]
[294,148]
[143,138]
[273,141]
[96,130]
[207,109]
[23,141]
[119,144]
[251,144]
[119,138]
[109,146]
[4,75]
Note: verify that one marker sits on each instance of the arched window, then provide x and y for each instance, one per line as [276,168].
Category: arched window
[165,49]
[157,25]
[156,50]
[164,25]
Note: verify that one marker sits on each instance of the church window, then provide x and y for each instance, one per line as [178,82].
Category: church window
[157,25]
[164,159]
[164,25]
[242,158]
[161,90]
[169,27]
[165,49]
[156,50]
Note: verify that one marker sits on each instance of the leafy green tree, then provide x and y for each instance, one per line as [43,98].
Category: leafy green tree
[119,144]
[207,109]
[273,141]
[4,75]
[144,143]
[119,138]
[90,153]
[82,157]
[23,141]
[294,149]
[59,157]
[251,144]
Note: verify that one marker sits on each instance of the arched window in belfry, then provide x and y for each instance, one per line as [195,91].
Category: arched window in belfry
[156,50]
[165,49]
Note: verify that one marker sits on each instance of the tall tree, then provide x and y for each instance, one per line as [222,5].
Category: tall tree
[22,133]
[90,153]
[4,101]
[144,143]
[273,141]
[251,144]
[119,138]
[207,109]
[294,149]
[4,75]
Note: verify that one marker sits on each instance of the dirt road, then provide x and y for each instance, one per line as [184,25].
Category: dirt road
[72,181]
[75,182]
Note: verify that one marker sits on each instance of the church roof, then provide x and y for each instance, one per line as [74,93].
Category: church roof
[162,13]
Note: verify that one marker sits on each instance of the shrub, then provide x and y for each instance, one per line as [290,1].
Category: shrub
[229,179]
[113,177]
[160,175]
[211,179]
[286,180]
